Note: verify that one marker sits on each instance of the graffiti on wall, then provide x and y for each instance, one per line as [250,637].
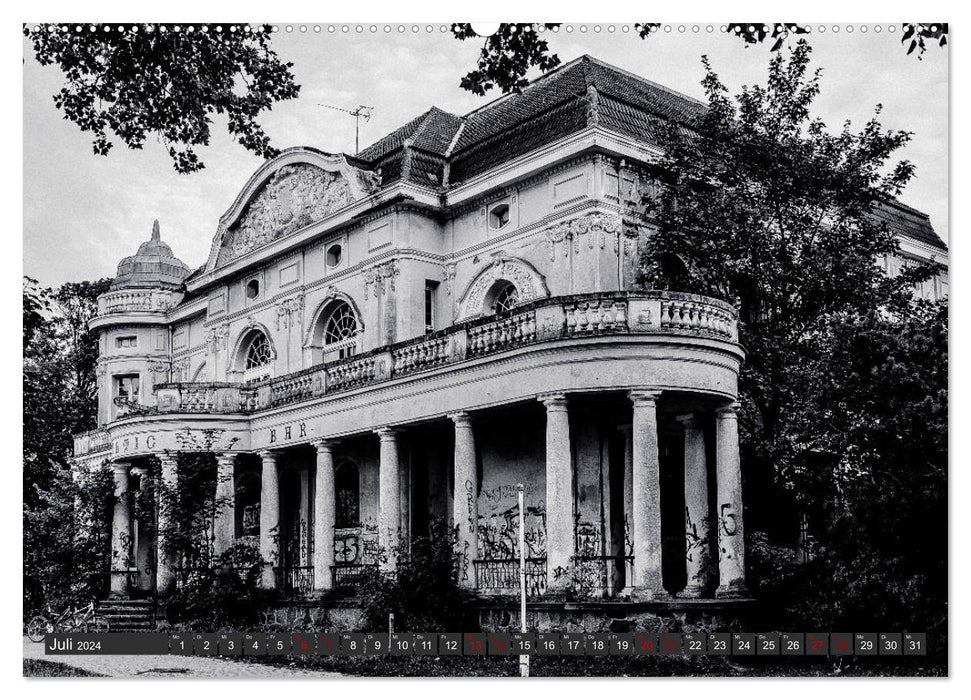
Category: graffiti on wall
[498,525]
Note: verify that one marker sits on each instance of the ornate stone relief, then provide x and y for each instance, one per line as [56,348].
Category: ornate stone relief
[100,370]
[590,229]
[180,370]
[448,277]
[289,311]
[528,283]
[380,278]
[217,337]
[294,197]
[160,371]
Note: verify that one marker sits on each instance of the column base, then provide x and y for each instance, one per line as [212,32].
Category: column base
[119,585]
[693,590]
[649,595]
[735,589]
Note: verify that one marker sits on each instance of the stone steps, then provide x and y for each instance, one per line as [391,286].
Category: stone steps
[128,615]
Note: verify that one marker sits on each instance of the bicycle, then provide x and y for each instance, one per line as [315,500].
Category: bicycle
[71,619]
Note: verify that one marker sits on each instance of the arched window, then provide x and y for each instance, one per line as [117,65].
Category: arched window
[341,330]
[259,355]
[506,298]
[347,487]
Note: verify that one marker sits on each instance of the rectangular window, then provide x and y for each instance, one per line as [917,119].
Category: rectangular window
[126,341]
[430,287]
[126,386]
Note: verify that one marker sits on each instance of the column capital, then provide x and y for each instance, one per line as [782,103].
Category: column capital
[121,465]
[553,402]
[229,457]
[387,434]
[644,397]
[139,470]
[728,410]
[324,444]
[461,418]
[689,420]
[269,455]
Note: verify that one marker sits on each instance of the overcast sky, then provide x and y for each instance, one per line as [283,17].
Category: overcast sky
[83,213]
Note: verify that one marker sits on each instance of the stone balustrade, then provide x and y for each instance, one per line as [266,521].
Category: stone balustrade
[657,312]
[502,333]
[595,315]
[91,442]
[124,300]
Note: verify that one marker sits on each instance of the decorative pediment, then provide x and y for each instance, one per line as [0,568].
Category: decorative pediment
[289,193]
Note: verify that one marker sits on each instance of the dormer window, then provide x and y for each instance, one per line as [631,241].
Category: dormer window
[499,217]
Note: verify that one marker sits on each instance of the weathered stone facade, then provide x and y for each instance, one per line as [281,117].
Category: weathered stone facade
[368,355]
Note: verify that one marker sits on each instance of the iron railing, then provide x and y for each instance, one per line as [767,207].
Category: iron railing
[502,575]
[295,580]
[349,575]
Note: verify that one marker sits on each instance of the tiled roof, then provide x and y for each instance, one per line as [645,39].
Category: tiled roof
[908,222]
[562,102]
[552,106]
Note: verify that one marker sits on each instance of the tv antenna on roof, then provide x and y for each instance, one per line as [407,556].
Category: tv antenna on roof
[357,113]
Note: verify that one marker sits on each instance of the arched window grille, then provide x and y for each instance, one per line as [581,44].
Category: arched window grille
[347,485]
[258,359]
[341,330]
[259,353]
[506,298]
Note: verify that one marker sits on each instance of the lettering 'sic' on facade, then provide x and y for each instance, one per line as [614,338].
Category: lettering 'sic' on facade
[382,341]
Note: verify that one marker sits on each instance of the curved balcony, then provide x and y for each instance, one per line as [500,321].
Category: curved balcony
[544,321]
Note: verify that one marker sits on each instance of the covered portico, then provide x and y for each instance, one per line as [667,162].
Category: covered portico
[627,443]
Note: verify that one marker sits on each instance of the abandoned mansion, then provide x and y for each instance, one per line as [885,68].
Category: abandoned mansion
[383,342]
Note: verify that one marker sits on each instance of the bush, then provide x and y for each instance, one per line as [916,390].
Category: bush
[226,595]
[422,593]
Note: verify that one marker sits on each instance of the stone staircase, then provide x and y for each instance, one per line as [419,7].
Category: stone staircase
[128,615]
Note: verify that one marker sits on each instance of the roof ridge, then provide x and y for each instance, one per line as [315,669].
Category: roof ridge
[641,79]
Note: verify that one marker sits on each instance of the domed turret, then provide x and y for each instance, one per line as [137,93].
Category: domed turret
[152,267]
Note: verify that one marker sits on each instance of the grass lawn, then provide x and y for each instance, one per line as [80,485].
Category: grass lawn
[650,666]
[38,668]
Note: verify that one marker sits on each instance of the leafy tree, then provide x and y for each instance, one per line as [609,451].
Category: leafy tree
[844,388]
[66,516]
[509,54]
[506,57]
[167,81]
[870,467]
[762,205]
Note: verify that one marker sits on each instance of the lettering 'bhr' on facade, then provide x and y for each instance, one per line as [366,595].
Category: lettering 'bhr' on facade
[382,341]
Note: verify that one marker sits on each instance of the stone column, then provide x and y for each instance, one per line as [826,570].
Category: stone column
[731,534]
[224,529]
[647,496]
[325,512]
[696,515]
[168,484]
[304,521]
[389,498]
[121,539]
[465,511]
[143,547]
[559,493]
[269,516]
[627,548]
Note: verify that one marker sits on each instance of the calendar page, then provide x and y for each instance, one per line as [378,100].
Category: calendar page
[370,349]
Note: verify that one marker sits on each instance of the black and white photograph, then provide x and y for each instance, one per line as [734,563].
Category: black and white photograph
[370,349]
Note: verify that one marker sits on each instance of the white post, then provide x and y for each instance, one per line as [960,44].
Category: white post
[523,658]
